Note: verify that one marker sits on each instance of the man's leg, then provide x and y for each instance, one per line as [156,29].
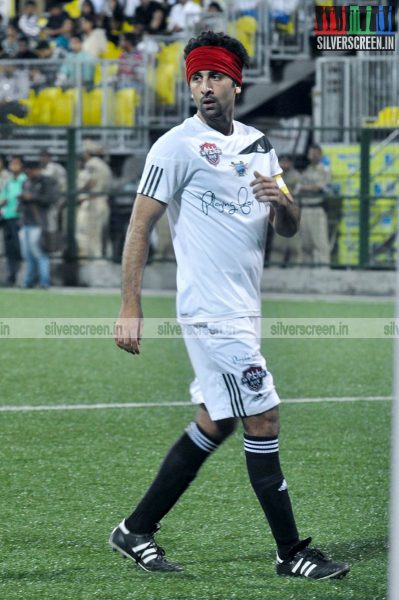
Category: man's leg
[134,536]
[178,470]
[294,556]
[267,479]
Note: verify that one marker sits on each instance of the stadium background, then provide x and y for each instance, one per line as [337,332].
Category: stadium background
[297,95]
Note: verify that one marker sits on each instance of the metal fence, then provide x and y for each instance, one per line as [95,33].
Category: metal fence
[361,202]
[352,92]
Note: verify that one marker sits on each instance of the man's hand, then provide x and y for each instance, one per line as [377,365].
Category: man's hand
[265,189]
[128,329]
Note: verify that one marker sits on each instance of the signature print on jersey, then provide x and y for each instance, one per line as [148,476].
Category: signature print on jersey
[243,205]
[253,377]
[211,152]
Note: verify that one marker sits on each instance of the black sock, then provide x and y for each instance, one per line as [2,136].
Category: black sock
[268,482]
[177,471]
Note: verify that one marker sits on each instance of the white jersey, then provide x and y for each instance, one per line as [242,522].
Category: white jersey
[218,227]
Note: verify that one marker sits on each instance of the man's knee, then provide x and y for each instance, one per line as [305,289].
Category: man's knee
[217,430]
[266,424]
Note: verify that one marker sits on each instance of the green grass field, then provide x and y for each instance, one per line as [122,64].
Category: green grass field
[68,477]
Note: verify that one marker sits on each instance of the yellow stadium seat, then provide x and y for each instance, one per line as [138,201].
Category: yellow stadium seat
[73,9]
[126,102]
[165,83]
[112,52]
[92,107]
[245,31]
[64,110]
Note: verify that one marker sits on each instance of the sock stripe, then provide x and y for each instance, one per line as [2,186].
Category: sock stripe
[200,439]
[261,446]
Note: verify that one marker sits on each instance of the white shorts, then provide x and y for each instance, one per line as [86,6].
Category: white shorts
[231,375]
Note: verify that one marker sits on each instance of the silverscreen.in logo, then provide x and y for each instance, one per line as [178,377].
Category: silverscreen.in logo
[355,28]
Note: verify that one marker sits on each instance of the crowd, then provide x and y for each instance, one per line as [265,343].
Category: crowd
[33,212]
[96,22]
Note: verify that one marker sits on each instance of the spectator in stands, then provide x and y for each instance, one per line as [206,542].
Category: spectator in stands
[87,9]
[150,17]
[4,173]
[113,21]
[59,25]
[53,169]
[24,51]
[129,8]
[10,42]
[14,85]
[94,38]
[287,251]
[130,67]
[99,6]
[68,74]
[94,184]
[183,16]
[311,193]
[212,18]
[45,75]
[28,23]
[3,28]
[35,201]
[9,201]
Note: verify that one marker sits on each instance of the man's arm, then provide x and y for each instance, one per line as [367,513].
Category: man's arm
[284,213]
[146,212]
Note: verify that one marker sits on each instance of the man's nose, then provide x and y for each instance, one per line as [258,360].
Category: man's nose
[206,86]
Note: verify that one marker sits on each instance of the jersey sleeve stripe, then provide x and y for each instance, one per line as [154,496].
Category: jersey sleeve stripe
[152,182]
[153,191]
[142,191]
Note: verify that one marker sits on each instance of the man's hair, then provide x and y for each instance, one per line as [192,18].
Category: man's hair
[210,38]
[315,146]
[131,38]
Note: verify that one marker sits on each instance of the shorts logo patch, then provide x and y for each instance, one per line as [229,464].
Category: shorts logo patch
[211,152]
[253,378]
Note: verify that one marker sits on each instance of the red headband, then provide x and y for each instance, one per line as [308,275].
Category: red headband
[214,58]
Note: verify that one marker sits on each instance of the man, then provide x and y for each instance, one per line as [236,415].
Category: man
[59,25]
[28,23]
[184,15]
[9,199]
[131,70]
[75,59]
[220,181]
[94,183]
[35,201]
[149,17]
[287,251]
[314,225]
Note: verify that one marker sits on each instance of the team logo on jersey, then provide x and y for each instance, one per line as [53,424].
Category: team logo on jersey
[240,168]
[211,152]
[253,378]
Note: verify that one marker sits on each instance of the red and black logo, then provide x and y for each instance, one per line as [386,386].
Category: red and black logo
[211,152]
[253,378]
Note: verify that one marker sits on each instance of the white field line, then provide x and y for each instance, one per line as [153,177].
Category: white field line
[64,407]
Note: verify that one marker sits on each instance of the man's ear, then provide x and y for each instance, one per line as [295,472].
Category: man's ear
[238,89]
